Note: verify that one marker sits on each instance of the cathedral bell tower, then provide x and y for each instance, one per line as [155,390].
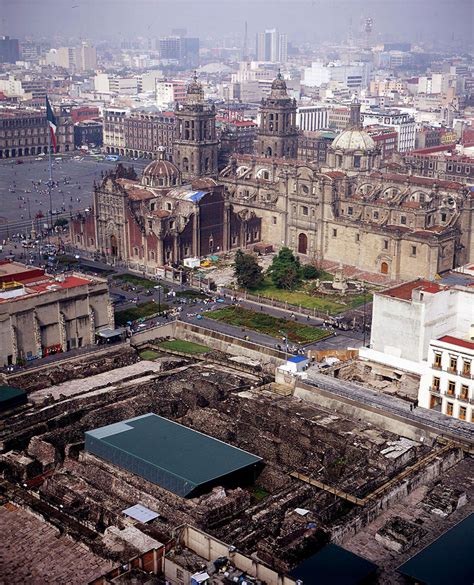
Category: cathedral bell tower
[195,146]
[277,135]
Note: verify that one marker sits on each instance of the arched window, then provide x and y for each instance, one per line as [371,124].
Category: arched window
[185,164]
[268,152]
[302,244]
[384,268]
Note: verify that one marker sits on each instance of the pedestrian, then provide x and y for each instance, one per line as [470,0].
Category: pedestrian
[411,406]
[416,403]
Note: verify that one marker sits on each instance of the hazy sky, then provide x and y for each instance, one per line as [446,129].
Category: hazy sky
[302,19]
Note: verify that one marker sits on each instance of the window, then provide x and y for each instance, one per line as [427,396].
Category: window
[304,210]
[357,162]
[274,219]
[413,250]
[435,384]
[385,244]
[168,206]
[349,211]
[451,388]
[403,220]
[443,217]
[453,363]
[464,392]
[449,408]
[437,360]
[357,237]
[179,574]
[334,233]
[376,214]
[466,368]
[462,412]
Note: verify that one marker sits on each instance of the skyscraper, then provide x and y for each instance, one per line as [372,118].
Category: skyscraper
[272,46]
[9,50]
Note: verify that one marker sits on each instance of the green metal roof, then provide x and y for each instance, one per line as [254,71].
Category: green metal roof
[9,392]
[167,453]
[448,559]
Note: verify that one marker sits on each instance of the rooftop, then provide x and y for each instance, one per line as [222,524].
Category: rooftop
[448,559]
[457,341]
[405,291]
[336,565]
[171,455]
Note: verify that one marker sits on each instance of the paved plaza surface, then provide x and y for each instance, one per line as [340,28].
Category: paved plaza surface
[21,201]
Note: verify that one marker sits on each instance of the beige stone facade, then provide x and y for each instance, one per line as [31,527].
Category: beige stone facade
[51,315]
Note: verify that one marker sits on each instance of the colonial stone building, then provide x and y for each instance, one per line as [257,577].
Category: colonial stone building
[41,315]
[195,146]
[350,211]
[159,220]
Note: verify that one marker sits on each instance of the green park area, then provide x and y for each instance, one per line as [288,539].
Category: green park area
[135,280]
[263,323]
[184,346]
[141,311]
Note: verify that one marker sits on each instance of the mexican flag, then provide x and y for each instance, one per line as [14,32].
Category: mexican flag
[53,125]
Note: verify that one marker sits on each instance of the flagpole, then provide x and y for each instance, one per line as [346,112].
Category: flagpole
[50,182]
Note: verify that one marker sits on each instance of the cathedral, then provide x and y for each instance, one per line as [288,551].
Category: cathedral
[356,209]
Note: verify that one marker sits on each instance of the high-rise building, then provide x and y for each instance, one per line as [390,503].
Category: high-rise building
[9,50]
[272,46]
[182,49]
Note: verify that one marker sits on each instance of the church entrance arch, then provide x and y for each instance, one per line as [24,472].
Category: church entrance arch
[384,268]
[302,244]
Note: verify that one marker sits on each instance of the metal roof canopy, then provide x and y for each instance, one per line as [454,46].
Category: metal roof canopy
[336,565]
[448,559]
[108,333]
[141,513]
[175,457]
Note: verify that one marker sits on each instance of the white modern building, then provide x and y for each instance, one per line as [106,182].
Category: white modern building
[407,317]
[402,122]
[272,46]
[312,118]
[448,382]
[353,76]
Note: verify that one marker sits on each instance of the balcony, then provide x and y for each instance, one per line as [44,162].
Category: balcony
[453,371]
[466,374]
[463,397]
[436,367]
[435,391]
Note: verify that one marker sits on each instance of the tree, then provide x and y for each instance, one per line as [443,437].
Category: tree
[247,271]
[285,270]
[309,272]
[61,222]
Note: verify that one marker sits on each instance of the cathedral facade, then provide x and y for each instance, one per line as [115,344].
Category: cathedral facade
[351,210]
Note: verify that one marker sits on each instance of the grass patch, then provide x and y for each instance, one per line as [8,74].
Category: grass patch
[136,280]
[263,323]
[191,294]
[259,493]
[184,346]
[297,298]
[148,354]
[143,310]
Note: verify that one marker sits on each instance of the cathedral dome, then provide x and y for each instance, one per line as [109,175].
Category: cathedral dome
[161,173]
[354,139]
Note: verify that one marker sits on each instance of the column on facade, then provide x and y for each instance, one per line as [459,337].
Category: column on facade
[226,230]
[197,233]
[243,233]
[175,246]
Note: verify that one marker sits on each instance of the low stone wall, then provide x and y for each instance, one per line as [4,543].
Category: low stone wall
[268,358]
[363,517]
